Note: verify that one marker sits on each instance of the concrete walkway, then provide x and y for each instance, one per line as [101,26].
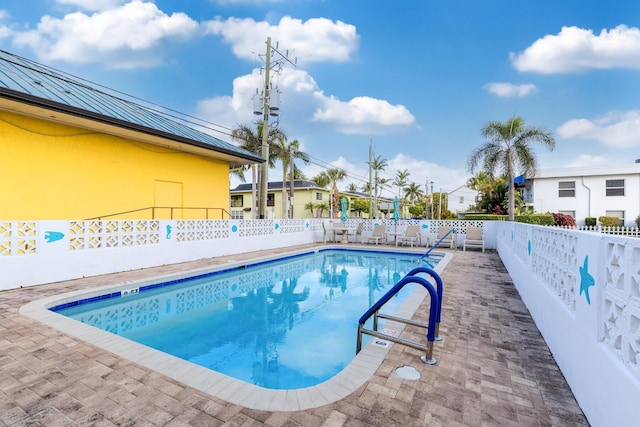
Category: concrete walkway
[494,369]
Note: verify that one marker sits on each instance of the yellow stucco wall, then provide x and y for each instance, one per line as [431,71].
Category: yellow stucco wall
[55,171]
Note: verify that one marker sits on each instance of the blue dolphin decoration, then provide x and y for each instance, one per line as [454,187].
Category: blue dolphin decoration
[586,279]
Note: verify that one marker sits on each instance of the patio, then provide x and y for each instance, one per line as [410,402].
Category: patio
[493,368]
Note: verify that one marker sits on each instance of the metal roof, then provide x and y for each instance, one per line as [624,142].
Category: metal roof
[277,185]
[28,82]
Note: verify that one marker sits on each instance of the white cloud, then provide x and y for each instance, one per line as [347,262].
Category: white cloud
[303,104]
[510,90]
[576,49]
[615,129]
[364,115]
[314,40]
[92,4]
[129,36]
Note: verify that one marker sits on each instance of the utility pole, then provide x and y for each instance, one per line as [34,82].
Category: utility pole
[268,110]
[370,181]
[264,172]
[291,179]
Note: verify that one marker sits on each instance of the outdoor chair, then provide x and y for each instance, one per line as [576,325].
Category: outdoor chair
[473,238]
[377,235]
[358,232]
[450,240]
[411,235]
[328,233]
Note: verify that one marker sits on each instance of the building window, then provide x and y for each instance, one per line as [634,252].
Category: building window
[461,199]
[237,201]
[619,214]
[567,189]
[615,187]
[271,199]
[236,214]
[318,196]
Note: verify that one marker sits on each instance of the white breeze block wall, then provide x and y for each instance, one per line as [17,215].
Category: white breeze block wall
[583,292]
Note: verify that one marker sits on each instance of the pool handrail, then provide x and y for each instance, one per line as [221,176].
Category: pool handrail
[430,326]
[435,245]
[439,290]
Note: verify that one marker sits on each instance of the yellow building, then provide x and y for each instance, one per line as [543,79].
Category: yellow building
[70,151]
[304,193]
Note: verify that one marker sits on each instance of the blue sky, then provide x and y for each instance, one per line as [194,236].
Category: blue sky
[417,79]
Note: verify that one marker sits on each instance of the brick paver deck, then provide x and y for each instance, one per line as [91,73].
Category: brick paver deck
[494,369]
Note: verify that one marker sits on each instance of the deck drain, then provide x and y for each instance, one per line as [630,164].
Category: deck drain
[408,373]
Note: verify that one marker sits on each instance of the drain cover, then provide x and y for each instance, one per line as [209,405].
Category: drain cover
[408,373]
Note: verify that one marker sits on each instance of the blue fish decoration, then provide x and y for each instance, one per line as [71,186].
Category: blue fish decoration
[52,236]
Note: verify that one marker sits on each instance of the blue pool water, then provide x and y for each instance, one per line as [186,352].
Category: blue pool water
[283,324]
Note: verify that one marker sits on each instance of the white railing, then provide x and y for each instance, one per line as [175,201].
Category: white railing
[615,230]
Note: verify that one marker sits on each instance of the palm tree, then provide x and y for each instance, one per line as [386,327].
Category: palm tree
[401,180]
[508,149]
[413,192]
[287,153]
[352,187]
[332,176]
[252,141]
[377,164]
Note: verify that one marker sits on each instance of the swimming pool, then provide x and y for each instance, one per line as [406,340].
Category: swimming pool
[273,293]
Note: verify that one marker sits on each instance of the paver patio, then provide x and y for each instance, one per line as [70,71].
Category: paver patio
[494,368]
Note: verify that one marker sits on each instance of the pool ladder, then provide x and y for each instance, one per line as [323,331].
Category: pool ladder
[432,326]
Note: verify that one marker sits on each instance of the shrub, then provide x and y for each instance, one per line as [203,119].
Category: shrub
[591,221]
[486,217]
[538,219]
[563,220]
[610,221]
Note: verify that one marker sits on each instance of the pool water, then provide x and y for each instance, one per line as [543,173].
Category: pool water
[282,324]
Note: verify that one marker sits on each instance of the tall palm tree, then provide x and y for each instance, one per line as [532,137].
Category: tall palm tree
[413,192]
[401,179]
[333,176]
[252,141]
[287,153]
[377,164]
[509,149]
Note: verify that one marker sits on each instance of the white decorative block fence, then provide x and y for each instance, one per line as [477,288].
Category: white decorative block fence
[583,292]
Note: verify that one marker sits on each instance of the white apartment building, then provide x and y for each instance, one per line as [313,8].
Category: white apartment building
[461,199]
[586,192]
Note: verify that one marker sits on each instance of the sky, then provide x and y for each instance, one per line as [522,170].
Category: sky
[415,80]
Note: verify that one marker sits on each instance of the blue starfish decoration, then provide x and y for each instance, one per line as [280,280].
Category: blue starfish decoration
[586,279]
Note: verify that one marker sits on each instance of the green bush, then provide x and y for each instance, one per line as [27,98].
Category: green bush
[485,217]
[610,221]
[538,219]
[591,221]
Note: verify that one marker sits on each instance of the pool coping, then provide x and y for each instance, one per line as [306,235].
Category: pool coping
[356,373]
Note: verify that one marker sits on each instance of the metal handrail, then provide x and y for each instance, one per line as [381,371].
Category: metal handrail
[435,245]
[439,290]
[430,326]
[171,208]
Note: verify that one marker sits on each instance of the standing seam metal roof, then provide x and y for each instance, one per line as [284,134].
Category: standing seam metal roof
[23,76]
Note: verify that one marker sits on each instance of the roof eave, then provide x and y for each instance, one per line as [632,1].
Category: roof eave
[88,119]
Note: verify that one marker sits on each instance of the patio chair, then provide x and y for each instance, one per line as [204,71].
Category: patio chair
[450,240]
[411,235]
[358,232]
[473,239]
[328,233]
[377,235]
